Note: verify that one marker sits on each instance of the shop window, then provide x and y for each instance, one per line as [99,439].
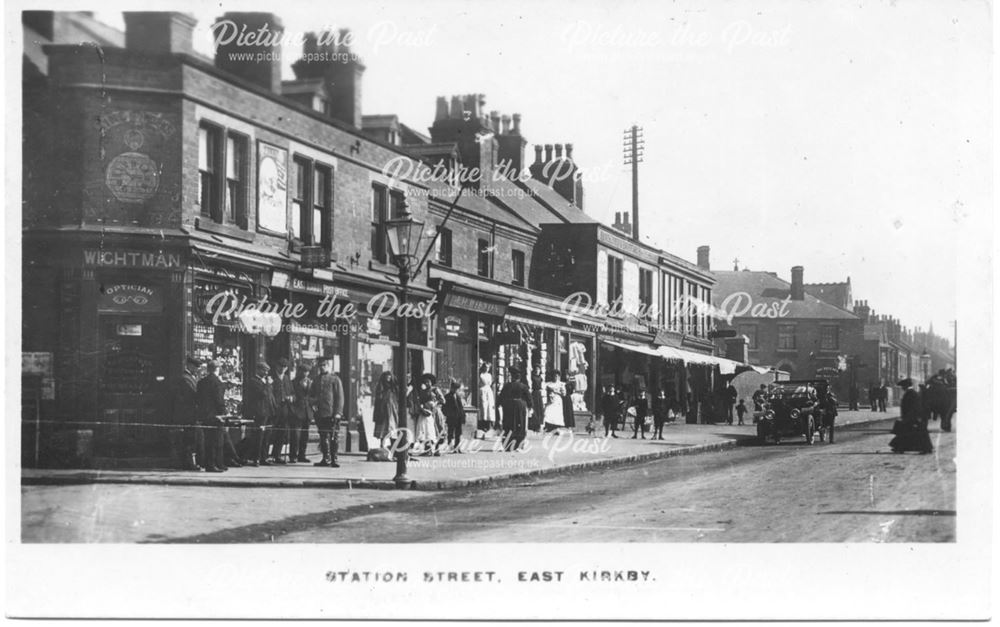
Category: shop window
[829,338]
[517,267]
[236,169]
[786,337]
[443,246]
[209,151]
[750,331]
[483,266]
[379,214]
[615,270]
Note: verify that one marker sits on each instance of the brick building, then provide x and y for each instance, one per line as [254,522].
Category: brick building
[788,328]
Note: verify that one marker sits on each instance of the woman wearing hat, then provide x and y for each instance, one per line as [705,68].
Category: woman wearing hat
[910,429]
[426,405]
[515,398]
[384,410]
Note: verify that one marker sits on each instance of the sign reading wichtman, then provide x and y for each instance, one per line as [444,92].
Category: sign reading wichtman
[272,188]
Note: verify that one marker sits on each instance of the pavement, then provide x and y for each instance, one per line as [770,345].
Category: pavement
[481,462]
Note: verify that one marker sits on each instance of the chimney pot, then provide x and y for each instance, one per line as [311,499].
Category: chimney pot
[569,151]
[517,124]
[505,124]
[495,121]
[538,154]
[457,107]
[548,152]
[558,151]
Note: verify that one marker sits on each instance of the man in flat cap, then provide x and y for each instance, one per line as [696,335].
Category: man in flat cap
[327,396]
[259,406]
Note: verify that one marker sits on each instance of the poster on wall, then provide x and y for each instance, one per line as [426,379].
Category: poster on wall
[272,188]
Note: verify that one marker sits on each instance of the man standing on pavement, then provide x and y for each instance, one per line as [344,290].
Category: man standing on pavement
[186,416]
[883,397]
[327,396]
[284,398]
[853,397]
[212,404]
[259,406]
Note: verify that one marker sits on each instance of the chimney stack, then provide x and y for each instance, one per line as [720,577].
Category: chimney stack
[441,111]
[703,258]
[797,291]
[241,59]
[159,32]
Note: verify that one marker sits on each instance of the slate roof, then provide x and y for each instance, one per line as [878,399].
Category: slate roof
[766,287]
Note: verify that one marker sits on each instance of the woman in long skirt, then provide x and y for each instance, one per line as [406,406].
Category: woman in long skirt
[385,412]
[555,418]
[910,429]
[487,399]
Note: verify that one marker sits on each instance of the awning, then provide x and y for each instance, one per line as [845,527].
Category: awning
[726,366]
[635,348]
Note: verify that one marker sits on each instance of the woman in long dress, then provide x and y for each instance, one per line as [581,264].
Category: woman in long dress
[487,399]
[385,412]
[911,428]
[554,412]
[426,401]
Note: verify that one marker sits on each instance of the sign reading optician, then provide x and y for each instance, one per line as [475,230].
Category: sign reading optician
[129,298]
[272,188]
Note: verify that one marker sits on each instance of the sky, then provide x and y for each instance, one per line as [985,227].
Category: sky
[851,138]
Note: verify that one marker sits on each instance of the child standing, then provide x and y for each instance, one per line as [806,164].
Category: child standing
[741,410]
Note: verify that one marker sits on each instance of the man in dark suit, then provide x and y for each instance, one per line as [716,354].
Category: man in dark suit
[212,406]
[186,416]
[327,395]
[258,406]
[515,398]
[883,397]
[284,397]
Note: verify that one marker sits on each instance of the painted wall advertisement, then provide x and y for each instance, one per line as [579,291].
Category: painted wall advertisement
[272,188]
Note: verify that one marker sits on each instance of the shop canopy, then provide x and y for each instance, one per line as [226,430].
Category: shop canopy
[726,366]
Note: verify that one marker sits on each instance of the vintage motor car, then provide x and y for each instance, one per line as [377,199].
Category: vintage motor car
[796,408]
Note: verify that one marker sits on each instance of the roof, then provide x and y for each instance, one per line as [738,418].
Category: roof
[412,136]
[562,209]
[765,287]
[303,86]
[380,121]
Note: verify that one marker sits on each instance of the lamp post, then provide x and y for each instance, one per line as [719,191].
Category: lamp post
[403,234]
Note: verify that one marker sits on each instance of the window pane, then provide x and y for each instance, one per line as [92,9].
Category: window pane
[317,226]
[296,220]
[203,148]
[321,186]
[301,178]
[232,158]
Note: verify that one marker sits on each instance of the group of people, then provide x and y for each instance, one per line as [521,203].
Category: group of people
[617,406]
[279,405]
[931,401]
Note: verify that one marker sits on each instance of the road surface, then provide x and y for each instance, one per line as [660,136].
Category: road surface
[853,491]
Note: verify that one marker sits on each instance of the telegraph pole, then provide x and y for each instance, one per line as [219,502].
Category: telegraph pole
[632,146]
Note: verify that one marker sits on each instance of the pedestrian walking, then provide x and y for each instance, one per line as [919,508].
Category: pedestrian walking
[741,410]
[883,397]
[302,414]
[853,395]
[212,405]
[454,415]
[259,407]
[609,411]
[327,396]
[729,398]
[515,397]
[661,407]
[910,431]
[873,393]
[426,401]
[641,406]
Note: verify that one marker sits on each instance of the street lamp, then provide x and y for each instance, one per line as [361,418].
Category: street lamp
[403,234]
